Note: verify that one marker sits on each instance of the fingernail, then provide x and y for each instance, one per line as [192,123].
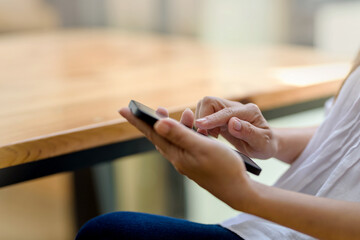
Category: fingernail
[201,120]
[162,128]
[120,110]
[237,125]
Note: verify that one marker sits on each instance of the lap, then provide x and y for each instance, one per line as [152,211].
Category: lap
[132,225]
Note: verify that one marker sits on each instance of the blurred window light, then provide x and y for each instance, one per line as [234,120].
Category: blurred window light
[308,75]
[337,27]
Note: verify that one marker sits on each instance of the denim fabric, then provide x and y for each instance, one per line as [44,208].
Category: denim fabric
[135,226]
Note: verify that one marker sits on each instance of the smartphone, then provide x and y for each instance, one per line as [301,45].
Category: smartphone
[150,116]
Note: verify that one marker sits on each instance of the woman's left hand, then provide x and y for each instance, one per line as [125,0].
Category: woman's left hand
[211,164]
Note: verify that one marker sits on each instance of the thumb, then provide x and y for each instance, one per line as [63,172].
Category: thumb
[178,134]
[247,132]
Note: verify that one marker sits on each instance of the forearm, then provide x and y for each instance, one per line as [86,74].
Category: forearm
[319,217]
[291,142]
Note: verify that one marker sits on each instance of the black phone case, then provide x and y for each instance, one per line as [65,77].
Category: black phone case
[147,116]
[150,116]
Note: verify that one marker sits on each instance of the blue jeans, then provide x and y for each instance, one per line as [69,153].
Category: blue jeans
[135,226]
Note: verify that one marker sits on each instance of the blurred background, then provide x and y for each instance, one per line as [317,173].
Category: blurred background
[306,22]
[44,208]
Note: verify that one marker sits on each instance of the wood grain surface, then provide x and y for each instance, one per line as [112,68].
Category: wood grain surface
[60,91]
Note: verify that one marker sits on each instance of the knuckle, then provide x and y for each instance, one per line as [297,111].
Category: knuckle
[228,111]
[198,105]
[178,138]
[208,99]
[252,107]
[257,117]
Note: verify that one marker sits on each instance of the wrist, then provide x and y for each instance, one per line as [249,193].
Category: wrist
[291,142]
[245,195]
[285,152]
[255,201]
[278,143]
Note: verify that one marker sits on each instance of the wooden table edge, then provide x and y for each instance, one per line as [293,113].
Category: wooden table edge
[119,130]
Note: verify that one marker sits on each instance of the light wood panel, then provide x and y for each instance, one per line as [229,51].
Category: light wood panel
[60,91]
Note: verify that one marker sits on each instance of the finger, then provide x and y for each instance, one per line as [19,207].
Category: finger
[147,130]
[197,115]
[240,145]
[202,131]
[205,108]
[198,106]
[139,124]
[179,135]
[187,118]
[170,151]
[216,119]
[162,111]
[247,132]
[220,118]
[214,132]
[208,105]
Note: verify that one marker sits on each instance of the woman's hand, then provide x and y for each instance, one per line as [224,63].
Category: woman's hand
[222,172]
[211,164]
[242,125]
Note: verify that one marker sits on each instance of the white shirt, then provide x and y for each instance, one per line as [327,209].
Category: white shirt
[328,167]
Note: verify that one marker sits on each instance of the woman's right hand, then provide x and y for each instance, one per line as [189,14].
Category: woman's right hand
[243,125]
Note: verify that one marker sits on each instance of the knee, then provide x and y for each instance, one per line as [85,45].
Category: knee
[107,226]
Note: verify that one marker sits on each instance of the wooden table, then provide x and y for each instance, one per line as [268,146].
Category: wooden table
[60,91]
